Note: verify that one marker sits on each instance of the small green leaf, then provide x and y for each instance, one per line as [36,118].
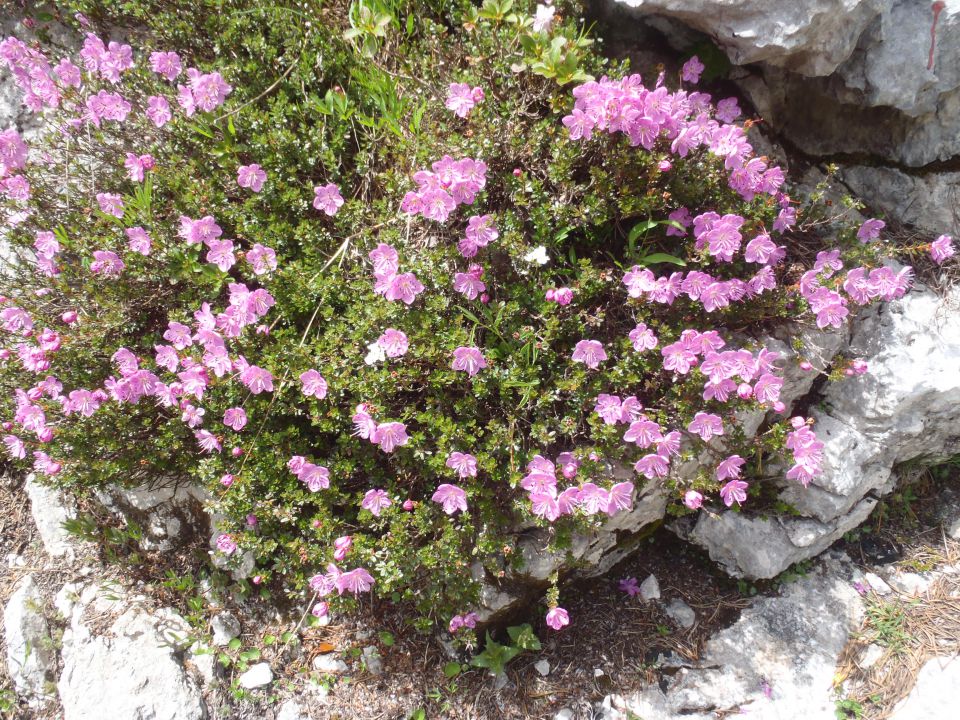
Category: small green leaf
[234,644]
[662,258]
[387,638]
[269,640]
[452,669]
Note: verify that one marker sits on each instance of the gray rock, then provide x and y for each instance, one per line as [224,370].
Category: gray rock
[870,656]
[372,660]
[954,529]
[681,613]
[166,512]
[877,584]
[811,37]
[564,714]
[225,628]
[329,664]
[788,644]
[909,583]
[290,710]
[542,667]
[934,695]
[31,660]
[257,676]
[650,589]
[50,509]
[926,201]
[760,548]
[129,671]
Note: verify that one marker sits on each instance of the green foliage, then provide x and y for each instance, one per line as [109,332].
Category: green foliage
[495,656]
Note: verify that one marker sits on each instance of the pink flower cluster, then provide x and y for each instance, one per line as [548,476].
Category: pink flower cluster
[354,581]
[627,106]
[203,91]
[807,451]
[390,282]
[481,231]
[461,98]
[452,183]
[712,293]
[546,502]
[387,436]
[315,477]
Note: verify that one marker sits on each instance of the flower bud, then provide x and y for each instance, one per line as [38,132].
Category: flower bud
[69,317]
[226,480]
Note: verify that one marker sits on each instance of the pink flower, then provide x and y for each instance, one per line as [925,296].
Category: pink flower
[385,260]
[106,263]
[452,498]
[256,379]
[609,408]
[692,499]
[461,98]
[469,283]
[468,359]
[557,618]
[327,198]
[404,287]
[643,338]
[619,497]
[221,254]
[321,609]
[15,447]
[262,259]
[316,477]
[110,204]
[464,463]
[481,231]
[393,342]
[235,418]
[166,64]
[629,586]
[870,230]
[730,468]
[138,240]
[375,501]
[341,547]
[355,581]
[691,70]
[313,384]
[389,435]
[734,491]
[208,441]
[251,176]
[158,110]
[543,18]
[226,544]
[644,432]
[941,249]
[706,425]
[590,353]
[653,466]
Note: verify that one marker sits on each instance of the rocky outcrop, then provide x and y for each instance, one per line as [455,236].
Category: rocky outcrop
[906,408]
[130,669]
[778,660]
[31,659]
[841,76]
[50,509]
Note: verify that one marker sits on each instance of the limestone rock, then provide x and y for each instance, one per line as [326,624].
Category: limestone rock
[225,628]
[758,547]
[786,646]
[681,613]
[329,664]
[290,710]
[132,670]
[257,676]
[50,509]
[31,660]
[934,695]
[811,37]
[650,589]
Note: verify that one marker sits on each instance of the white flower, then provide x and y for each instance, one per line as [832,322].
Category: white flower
[544,18]
[538,255]
[375,355]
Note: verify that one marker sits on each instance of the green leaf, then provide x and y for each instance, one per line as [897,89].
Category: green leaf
[386,638]
[655,258]
[269,640]
[641,228]
[524,637]
[452,669]
[234,644]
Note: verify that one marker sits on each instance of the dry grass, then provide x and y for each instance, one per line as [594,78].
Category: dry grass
[912,630]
